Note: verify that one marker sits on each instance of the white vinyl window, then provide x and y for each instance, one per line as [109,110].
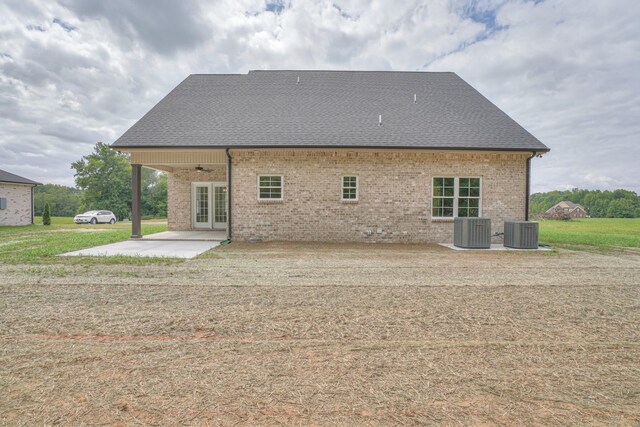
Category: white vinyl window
[270,187]
[350,188]
[456,197]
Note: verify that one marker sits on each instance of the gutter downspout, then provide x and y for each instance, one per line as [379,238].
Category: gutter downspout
[228,193]
[33,208]
[526,202]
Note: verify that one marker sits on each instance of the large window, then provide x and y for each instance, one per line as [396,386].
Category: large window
[350,188]
[455,197]
[270,187]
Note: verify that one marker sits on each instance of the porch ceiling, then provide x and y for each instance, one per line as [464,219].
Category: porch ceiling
[173,166]
[168,160]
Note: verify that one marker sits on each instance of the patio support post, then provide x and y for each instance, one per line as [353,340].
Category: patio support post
[136,172]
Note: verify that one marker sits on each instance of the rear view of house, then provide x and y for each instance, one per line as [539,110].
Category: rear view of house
[332,156]
[16,199]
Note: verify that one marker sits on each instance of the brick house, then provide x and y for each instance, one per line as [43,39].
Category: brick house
[16,199]
[332,156]
[566,209]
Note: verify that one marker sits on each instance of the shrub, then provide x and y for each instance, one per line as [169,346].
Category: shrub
[46,215]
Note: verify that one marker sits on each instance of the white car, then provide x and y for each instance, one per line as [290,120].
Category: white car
[94,217]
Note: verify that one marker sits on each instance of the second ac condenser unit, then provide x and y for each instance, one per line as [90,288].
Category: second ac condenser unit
[521,234]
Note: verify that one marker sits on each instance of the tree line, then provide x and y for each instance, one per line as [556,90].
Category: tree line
[103,182]
[599,204]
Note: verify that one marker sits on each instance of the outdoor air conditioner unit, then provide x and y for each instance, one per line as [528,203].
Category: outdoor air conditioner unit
[472,233]
[521,234]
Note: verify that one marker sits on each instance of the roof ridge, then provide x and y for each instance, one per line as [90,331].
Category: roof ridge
[354,71]
[216,74]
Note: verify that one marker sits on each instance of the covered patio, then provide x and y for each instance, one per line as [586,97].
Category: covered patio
[198,202]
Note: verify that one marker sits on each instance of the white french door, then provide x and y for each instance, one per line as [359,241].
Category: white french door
[209,207]
[219,206]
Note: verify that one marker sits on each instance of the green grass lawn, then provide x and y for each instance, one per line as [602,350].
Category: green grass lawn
[41,244]
[37,244]
[591,233]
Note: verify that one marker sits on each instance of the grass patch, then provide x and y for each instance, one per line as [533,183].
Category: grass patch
[601,234]
[38,244]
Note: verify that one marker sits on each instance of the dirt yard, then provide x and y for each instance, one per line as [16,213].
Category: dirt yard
[307,334]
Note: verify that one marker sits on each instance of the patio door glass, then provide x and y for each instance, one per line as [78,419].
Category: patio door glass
[209,205]
[202,208]
[220,206]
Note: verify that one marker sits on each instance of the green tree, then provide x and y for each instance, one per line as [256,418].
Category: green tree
[63,201]
[154,193]
[599,204]
[46,215]
[105,180]
[622,208]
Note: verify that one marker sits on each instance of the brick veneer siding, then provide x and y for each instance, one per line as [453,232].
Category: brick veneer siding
[179,193]
[394,200]
[394,194]
[19,206]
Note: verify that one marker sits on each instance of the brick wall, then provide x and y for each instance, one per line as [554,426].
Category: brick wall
[394,194]
[18,210]
[179,193]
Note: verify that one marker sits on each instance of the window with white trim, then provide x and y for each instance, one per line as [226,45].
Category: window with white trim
[350,188]
[270,187]
[456,197]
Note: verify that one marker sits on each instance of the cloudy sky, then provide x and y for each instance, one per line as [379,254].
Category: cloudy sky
[73,72]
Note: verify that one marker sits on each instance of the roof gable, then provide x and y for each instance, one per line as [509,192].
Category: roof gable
[328,109]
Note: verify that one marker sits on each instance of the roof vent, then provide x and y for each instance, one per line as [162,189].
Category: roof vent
[415,98]
[298,82]
[380,120]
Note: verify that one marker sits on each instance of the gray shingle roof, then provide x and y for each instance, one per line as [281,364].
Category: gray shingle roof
[15,179]
[328,109]
[571,204]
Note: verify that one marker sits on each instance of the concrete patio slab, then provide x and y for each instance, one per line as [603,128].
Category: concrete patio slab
[494,247]
[149,248]
[203,235]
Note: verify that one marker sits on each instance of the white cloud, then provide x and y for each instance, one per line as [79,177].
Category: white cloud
[73,73]
[566,71]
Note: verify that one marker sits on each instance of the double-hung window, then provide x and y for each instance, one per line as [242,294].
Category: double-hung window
[350,188]
[456,197]
[270,187]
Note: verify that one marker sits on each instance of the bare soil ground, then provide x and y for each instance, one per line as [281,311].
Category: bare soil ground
[274,333]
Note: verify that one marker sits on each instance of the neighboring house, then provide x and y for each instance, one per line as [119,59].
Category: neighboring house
[567,209]
[16,199]
[332,156]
